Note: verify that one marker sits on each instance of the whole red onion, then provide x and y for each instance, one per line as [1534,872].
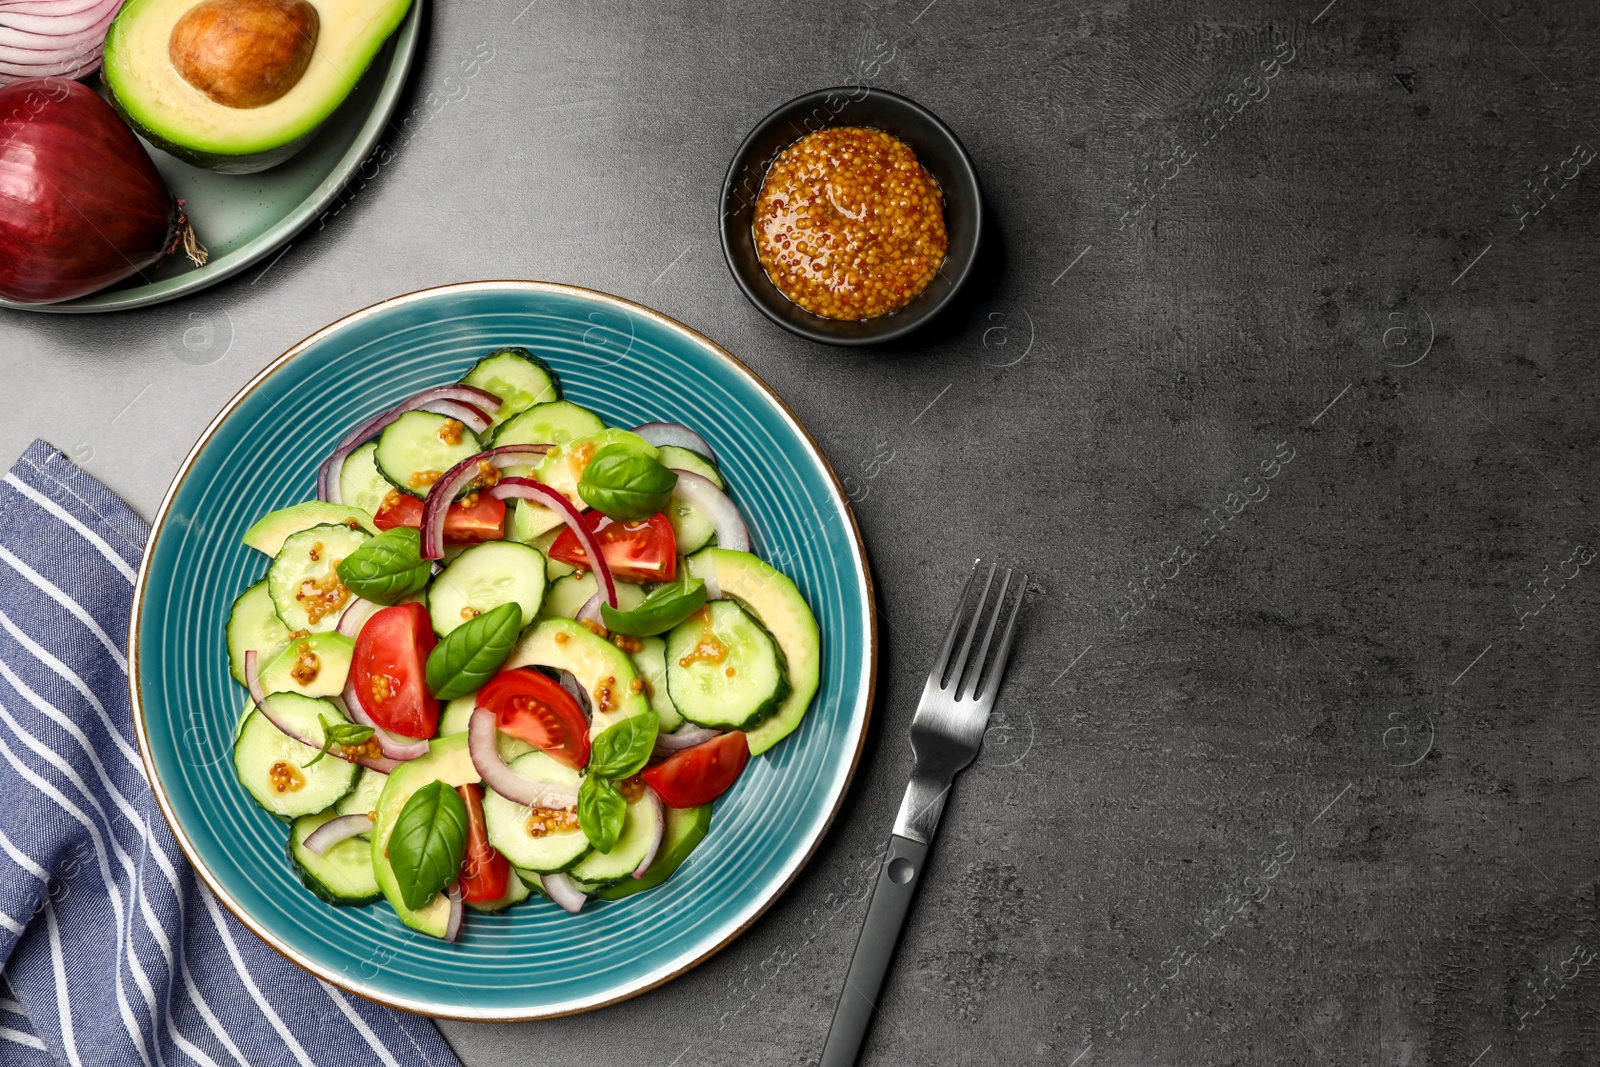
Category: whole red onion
[81,205]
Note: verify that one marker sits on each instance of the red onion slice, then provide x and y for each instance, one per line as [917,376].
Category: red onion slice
[508,783]
[676,434]
[563,892]
[591,611]
[333,831]
[328,473]
[661,832]
[394,746]
[687,736]
[452,928]
[702,493]
[528,489]
[355,616]
[252,677]
[467,414]
[453,481]
[574,688]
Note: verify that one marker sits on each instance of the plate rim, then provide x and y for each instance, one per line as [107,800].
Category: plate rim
[626,990]
[405,37]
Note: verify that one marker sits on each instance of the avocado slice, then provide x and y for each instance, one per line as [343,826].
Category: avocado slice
[598,665]
[274,528]
[316,665]
[446,760]
[777,604]
[185,116]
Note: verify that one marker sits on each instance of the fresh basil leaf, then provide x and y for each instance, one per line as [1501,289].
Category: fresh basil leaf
[663,609]
[339,733]
[626,484]
[428,843]
[387,568]
[601,810]
[621,750]
[471,653]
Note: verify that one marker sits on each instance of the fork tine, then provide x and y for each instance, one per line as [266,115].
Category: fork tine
[997,672]
[988,634]
[963,663]
[955,626]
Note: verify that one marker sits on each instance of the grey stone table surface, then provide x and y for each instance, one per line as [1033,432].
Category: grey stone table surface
[1279,379]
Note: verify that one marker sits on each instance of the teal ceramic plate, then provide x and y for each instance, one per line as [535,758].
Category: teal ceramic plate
[631,365]
[244,218]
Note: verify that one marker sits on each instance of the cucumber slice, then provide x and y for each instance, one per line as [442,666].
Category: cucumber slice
[691,528]
[603,669]
[552,567]
[650,663]
[254,624]
[516,892]
[313,666]
[507,822]
[563,465]
[686,460]
[261,746]
[569,594]
[361,483]
[342,875]
[484,577]
[456,714]
[773,599]
[518,377]
[531,521]
[273,529]
[686,828]
[639,828]
[416,448]
[363,799]
[311,556]
[548,424]
[447,760]
[723,669]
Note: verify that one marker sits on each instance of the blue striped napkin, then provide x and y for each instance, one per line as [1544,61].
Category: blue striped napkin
[111,950]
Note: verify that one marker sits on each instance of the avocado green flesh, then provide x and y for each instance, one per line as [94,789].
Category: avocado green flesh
[178,118]
[274,528]
[777,604]
[447,760]
[562,644]
[686,828]
[330,653]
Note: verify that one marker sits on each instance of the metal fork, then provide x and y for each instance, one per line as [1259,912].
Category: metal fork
[946,733]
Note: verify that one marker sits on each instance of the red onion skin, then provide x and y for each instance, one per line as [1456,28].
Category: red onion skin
[81,204]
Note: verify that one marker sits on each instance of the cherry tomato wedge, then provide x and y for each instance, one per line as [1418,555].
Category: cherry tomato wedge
[532,708]
[700,774]
[635,551]
[388,670]
[485,873]
[484,521]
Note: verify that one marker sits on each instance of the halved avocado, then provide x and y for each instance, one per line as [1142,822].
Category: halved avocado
[447,760]
[772,598]
[170,64]
[603,669]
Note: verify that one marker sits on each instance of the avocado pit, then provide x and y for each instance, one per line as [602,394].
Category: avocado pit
[244,53]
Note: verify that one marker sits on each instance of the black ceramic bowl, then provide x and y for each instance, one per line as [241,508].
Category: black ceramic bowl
[938,150]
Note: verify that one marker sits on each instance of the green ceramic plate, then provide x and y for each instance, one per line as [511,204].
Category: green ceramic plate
[244,218]
[631,365]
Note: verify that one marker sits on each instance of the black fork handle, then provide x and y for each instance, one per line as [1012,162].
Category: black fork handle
[886,916]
